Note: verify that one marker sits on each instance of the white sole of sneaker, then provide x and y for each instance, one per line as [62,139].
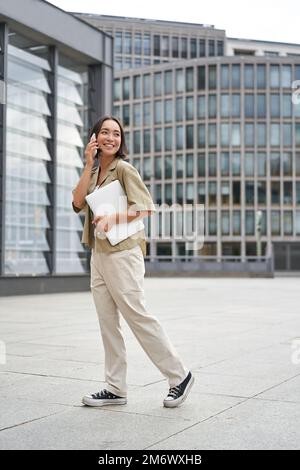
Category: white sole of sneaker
[92,402]
[175,403]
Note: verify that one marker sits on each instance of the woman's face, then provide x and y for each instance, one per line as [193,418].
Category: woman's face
[109,138]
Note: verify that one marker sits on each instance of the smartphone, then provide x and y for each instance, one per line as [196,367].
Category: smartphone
[93,137]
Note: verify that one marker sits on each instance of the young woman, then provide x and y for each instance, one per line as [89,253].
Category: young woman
[117,272]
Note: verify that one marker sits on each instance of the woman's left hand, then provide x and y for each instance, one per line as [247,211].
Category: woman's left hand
[104,222]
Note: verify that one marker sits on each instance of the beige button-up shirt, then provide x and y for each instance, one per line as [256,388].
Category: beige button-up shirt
[137,195]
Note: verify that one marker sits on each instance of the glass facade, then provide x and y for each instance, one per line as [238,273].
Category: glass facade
[71,106]
[243,140]
[44,131]
[27,154]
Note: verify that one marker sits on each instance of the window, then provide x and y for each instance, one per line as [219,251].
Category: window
[146,113]
[146,85]
[136,142]
[275,105]
[249,223]
[236,82]
[136,114]
[136,87]
[157,84]
[212,106]
[168,167]
[128,43]
[189,108]
[146,44]
[179,109]
[157,112]
[287,192]
[212,193]
[126,88]
[225,222]
[261,192]
[168,82]
[287,163]
[201,135]
[193,47]
[275,164]
[212,135]
[249,76]
[261,106]
[138,43]
[275,135]
[157,140]
[189,136]
[236,163]
[261,164]
[235,105]
[168,138]
[211,47]
[157,167]
[225,193]
[286,76]
[184,48]
[202,48]
[249,135]
[249,105]
[118,42]
[179,137]
[275,222]
[190,165]
[274,76]
[225,163]
[261,76]
[261,134]
[224,76]
[275,192]
[117,90]
[212,77]
[126,115]
[179,81]
[201,77]
[225,134]
[212,222]
[168,110]
[175,48]
[189,78]
[220,48]
[147,141]
[236,222]
[212,164]
[235,135]
[165,46]
[201,164]
[201,107]
[249,193]
[249,164]
[224,105]
[156,45]
[179,166]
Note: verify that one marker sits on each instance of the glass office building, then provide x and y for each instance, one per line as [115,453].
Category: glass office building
[51,94]
[211,120]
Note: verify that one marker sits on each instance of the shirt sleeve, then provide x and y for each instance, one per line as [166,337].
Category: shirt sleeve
[77,209]
[138,196]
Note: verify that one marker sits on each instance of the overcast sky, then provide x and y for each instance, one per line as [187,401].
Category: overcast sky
[277,20]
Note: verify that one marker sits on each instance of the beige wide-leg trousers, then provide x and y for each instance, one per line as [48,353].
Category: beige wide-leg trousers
[117,284]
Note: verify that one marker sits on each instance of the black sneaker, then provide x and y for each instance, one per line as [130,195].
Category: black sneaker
[179,393]
[104,397]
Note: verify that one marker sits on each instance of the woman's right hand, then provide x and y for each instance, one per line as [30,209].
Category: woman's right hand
[91,151]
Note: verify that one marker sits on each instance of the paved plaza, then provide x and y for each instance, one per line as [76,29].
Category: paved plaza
[240,337]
